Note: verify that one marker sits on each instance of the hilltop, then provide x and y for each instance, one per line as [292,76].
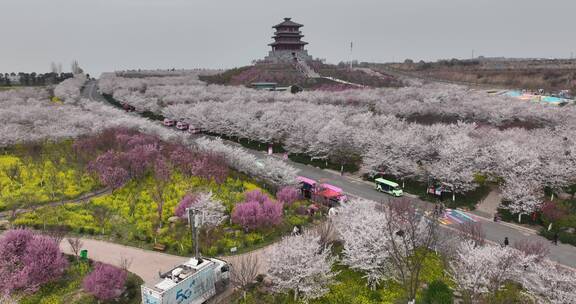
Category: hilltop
[288,74]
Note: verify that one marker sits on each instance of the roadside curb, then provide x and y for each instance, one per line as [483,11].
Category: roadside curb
[511,225]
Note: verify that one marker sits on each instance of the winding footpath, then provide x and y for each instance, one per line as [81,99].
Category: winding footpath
[80,199]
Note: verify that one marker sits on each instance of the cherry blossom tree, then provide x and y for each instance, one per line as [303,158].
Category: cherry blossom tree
[210,166]
[386,241]
[28,261]
[288,195]
[248,215]
[162,175]
[450,133]
[536,248]
[213,211]
[105,282]
[108,167]
[302,265]
[253,214]
[479,270]
[269,169]
[256,195]
[185,203]
[471,231]
[550,282]
[69,89]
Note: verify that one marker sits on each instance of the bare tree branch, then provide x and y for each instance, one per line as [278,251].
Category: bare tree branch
[75,245]
[244,272]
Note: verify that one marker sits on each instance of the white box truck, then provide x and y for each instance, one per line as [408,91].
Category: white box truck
[193,282]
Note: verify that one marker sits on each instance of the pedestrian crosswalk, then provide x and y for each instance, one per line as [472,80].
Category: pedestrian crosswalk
[453,216]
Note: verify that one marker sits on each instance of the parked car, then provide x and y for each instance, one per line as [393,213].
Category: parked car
[193,130]
[168,122]
[182,126]
[128,108]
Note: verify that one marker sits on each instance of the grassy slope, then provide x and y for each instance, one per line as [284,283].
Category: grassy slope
[286,74]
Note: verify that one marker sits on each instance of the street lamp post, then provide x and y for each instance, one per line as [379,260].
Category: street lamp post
[195,221]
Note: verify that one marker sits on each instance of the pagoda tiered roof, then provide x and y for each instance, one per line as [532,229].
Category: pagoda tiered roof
[287,37]
[287,23]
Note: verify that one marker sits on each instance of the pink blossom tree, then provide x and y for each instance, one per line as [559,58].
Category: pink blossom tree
[210,166]
[256,195]
[248,215]
[272,213]
[185,203]
[288,195]
[108,167]
[162,174]
[28,261]
[257,211]
[105,282]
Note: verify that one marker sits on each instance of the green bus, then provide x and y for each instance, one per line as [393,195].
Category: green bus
[387,186]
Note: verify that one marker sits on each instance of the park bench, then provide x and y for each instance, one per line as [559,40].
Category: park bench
[159,247]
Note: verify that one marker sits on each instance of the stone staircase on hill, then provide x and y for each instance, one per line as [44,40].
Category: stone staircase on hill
[302,67]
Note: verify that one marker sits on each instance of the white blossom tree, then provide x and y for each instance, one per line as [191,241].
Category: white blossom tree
[303,265]
[270,169]
[482,269]
[387,241]
[550,282]
[69,90]
[213,212]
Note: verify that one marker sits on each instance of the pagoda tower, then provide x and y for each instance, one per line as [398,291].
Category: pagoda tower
[287,46]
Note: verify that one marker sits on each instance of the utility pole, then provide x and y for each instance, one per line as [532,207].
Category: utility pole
[195,221]
[351,45]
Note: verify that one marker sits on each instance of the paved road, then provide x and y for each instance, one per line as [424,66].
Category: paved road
[495,232]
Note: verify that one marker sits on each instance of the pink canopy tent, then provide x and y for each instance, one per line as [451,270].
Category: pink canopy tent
[306,180]
[331,187]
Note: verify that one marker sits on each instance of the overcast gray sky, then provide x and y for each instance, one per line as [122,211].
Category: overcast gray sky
[105,35]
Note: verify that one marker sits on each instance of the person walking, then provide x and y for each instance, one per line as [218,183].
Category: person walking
[295,231]
[506,242]
[555,238]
